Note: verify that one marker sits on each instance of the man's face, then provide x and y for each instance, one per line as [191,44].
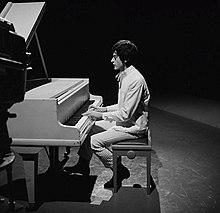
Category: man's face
[117,63]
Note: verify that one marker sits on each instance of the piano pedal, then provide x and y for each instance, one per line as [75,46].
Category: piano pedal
[66,154]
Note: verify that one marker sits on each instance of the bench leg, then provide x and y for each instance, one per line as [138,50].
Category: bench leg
[115,172]
[148,172]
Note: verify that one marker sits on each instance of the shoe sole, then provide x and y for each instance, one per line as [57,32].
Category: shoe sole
[69,172]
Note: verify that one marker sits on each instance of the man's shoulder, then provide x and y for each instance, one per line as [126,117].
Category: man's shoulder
[138,75]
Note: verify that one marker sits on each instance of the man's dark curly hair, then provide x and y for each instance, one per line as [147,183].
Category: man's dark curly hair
[126,50]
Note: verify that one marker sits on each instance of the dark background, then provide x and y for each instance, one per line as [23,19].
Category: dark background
[178,43]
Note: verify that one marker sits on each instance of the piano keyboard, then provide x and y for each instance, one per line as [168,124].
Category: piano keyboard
[76,117]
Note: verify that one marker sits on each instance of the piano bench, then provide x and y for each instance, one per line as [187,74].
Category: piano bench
[30,162]
[131,149]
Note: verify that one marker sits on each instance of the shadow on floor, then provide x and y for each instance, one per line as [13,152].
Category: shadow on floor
[128,199]
[51,187]
[19,190]
[62,187]
[75,198]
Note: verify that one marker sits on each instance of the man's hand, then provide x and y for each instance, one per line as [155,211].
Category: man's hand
[93,115]
[97,109]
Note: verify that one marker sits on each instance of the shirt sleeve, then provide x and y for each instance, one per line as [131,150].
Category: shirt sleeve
[112,108]
[130,103]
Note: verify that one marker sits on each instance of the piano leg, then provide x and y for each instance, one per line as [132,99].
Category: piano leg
[53,156]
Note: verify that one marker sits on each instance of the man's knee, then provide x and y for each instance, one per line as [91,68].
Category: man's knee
[95,143]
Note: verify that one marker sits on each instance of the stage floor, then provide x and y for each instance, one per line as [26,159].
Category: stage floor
[185,169]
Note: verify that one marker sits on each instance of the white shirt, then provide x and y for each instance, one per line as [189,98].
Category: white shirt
[131,111]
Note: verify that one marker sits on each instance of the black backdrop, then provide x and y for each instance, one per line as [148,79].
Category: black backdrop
[178,43]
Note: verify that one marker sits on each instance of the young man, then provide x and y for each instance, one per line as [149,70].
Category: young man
[128,119]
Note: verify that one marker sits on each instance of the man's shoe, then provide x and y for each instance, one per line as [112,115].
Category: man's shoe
[122,173]
[109,184]
[77,169]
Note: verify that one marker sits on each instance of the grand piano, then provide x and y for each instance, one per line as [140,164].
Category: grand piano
[51,114]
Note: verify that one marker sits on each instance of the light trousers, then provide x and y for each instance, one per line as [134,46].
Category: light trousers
[99,141]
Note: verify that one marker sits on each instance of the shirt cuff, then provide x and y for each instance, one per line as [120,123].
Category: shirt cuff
[107,116]
[104,116]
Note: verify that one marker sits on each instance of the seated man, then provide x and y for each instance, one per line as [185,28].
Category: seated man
[128,119]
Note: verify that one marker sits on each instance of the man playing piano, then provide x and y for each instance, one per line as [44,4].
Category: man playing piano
[128,119]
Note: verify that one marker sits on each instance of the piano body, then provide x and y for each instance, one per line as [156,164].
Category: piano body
[45,117]
[48,114]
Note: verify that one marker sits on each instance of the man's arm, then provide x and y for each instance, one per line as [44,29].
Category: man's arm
[131,102]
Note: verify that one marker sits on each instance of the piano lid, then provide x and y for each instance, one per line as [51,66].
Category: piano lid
[56,89]
[25,17]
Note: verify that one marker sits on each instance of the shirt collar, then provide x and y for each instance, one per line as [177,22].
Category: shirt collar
[122,74]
